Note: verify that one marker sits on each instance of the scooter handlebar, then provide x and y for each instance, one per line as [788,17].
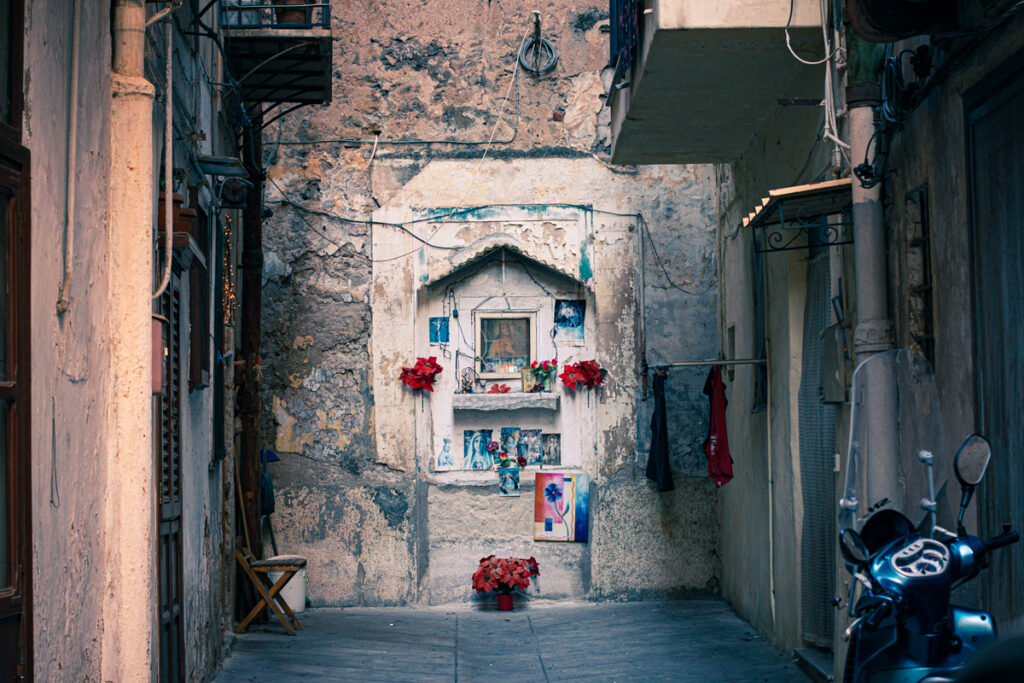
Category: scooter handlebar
[1008,538]
[877,615]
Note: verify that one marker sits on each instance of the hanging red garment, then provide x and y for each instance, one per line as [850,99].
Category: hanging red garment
[716,446]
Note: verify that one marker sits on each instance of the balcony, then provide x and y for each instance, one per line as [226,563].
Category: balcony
[695,80]
[279,51]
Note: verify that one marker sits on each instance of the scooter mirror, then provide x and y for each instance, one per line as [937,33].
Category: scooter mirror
[854,549]
[972,460]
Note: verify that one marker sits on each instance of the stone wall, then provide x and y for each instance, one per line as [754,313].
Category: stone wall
[355,493]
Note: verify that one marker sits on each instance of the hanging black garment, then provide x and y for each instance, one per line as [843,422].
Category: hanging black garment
[658,467]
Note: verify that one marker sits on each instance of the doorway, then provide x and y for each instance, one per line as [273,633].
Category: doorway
[995,161]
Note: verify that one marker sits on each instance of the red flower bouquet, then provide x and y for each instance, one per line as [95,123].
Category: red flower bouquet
[504,574]
[421,375]
[499,389]
[586,373]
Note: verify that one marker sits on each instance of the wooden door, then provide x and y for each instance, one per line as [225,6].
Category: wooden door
[15,454]
[167,447]
[995,145]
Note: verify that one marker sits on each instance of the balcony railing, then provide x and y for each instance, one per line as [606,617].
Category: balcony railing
[258,14]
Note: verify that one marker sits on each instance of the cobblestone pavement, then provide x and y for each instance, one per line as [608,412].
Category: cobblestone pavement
[691,640]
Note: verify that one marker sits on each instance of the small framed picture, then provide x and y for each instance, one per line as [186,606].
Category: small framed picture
[528,380]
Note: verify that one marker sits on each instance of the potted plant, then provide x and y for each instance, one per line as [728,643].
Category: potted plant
[288,15]
[543,374]
[504,575]
[421,375]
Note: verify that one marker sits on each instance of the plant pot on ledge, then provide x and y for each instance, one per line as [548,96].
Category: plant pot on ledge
[506,601]
[287,15]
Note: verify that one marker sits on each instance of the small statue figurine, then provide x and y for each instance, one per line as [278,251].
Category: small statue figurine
[468,380]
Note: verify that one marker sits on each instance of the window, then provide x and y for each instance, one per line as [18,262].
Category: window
[506,343]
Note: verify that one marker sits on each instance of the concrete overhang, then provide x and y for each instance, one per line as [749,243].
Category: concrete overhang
[710,74]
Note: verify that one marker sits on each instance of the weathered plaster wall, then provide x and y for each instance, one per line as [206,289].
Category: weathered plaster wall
[70,371]
[84,515]
[761,508]
[334,410]
[931,151]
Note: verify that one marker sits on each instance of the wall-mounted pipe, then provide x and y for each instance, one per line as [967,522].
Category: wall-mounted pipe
[64,298]
[168,155]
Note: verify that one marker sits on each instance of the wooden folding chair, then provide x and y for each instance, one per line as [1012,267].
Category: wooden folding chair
[270,593]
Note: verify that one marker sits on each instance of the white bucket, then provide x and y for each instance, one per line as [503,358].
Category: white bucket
[294,592]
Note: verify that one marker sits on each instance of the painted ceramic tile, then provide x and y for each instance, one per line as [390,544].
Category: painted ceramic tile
[474,449]
[445,459]
[551,444]
[439,330]
[530,447]
[510,440]
[561,508]
[508,481]
[569,317]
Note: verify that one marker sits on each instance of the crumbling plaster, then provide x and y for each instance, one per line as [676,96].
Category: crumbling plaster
[337,330]
[70,366]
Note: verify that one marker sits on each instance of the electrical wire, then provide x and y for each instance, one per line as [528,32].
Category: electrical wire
[299,209]
[654,247]
[789,44]
[436,141]
[830,132]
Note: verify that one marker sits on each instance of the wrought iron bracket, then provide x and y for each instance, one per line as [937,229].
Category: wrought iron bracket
[803,217]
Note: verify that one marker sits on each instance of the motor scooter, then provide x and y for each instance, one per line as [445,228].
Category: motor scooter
[905,628]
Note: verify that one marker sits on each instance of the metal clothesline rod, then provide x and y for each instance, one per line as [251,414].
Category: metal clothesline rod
[734,361]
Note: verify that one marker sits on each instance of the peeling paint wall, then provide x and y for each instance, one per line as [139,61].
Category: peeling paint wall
[79,502]
[761,509]
[70,367]
[356,492]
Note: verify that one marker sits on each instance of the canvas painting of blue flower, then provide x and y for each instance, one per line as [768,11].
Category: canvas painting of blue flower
[561,509]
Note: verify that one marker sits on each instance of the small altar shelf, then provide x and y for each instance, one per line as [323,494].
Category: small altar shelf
[514,400]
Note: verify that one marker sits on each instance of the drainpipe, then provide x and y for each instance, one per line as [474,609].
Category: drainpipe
[863,95]
[64,299]
[873,333]
[129,596]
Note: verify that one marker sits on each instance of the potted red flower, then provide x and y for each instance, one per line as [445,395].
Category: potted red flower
[543,372]
[421,375]
[504,575]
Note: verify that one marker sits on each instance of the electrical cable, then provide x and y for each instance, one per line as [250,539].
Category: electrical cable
[542,49]
[789,45]
[438,141]
[299,209]
[654,247]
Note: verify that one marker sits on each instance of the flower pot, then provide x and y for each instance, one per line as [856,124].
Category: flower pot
[505,602]
[287,15]
[176,200]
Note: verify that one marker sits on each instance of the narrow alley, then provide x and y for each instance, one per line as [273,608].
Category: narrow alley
[687,641]
[570,339]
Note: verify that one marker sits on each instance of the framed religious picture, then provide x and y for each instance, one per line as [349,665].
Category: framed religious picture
[506,343]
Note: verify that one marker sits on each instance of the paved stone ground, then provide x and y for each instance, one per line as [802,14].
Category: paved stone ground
[692,640]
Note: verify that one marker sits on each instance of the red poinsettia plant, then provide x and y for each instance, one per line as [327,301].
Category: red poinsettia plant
[586,373]
[504,574]
[421,375]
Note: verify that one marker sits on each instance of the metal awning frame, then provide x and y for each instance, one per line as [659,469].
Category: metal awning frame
[804,216]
